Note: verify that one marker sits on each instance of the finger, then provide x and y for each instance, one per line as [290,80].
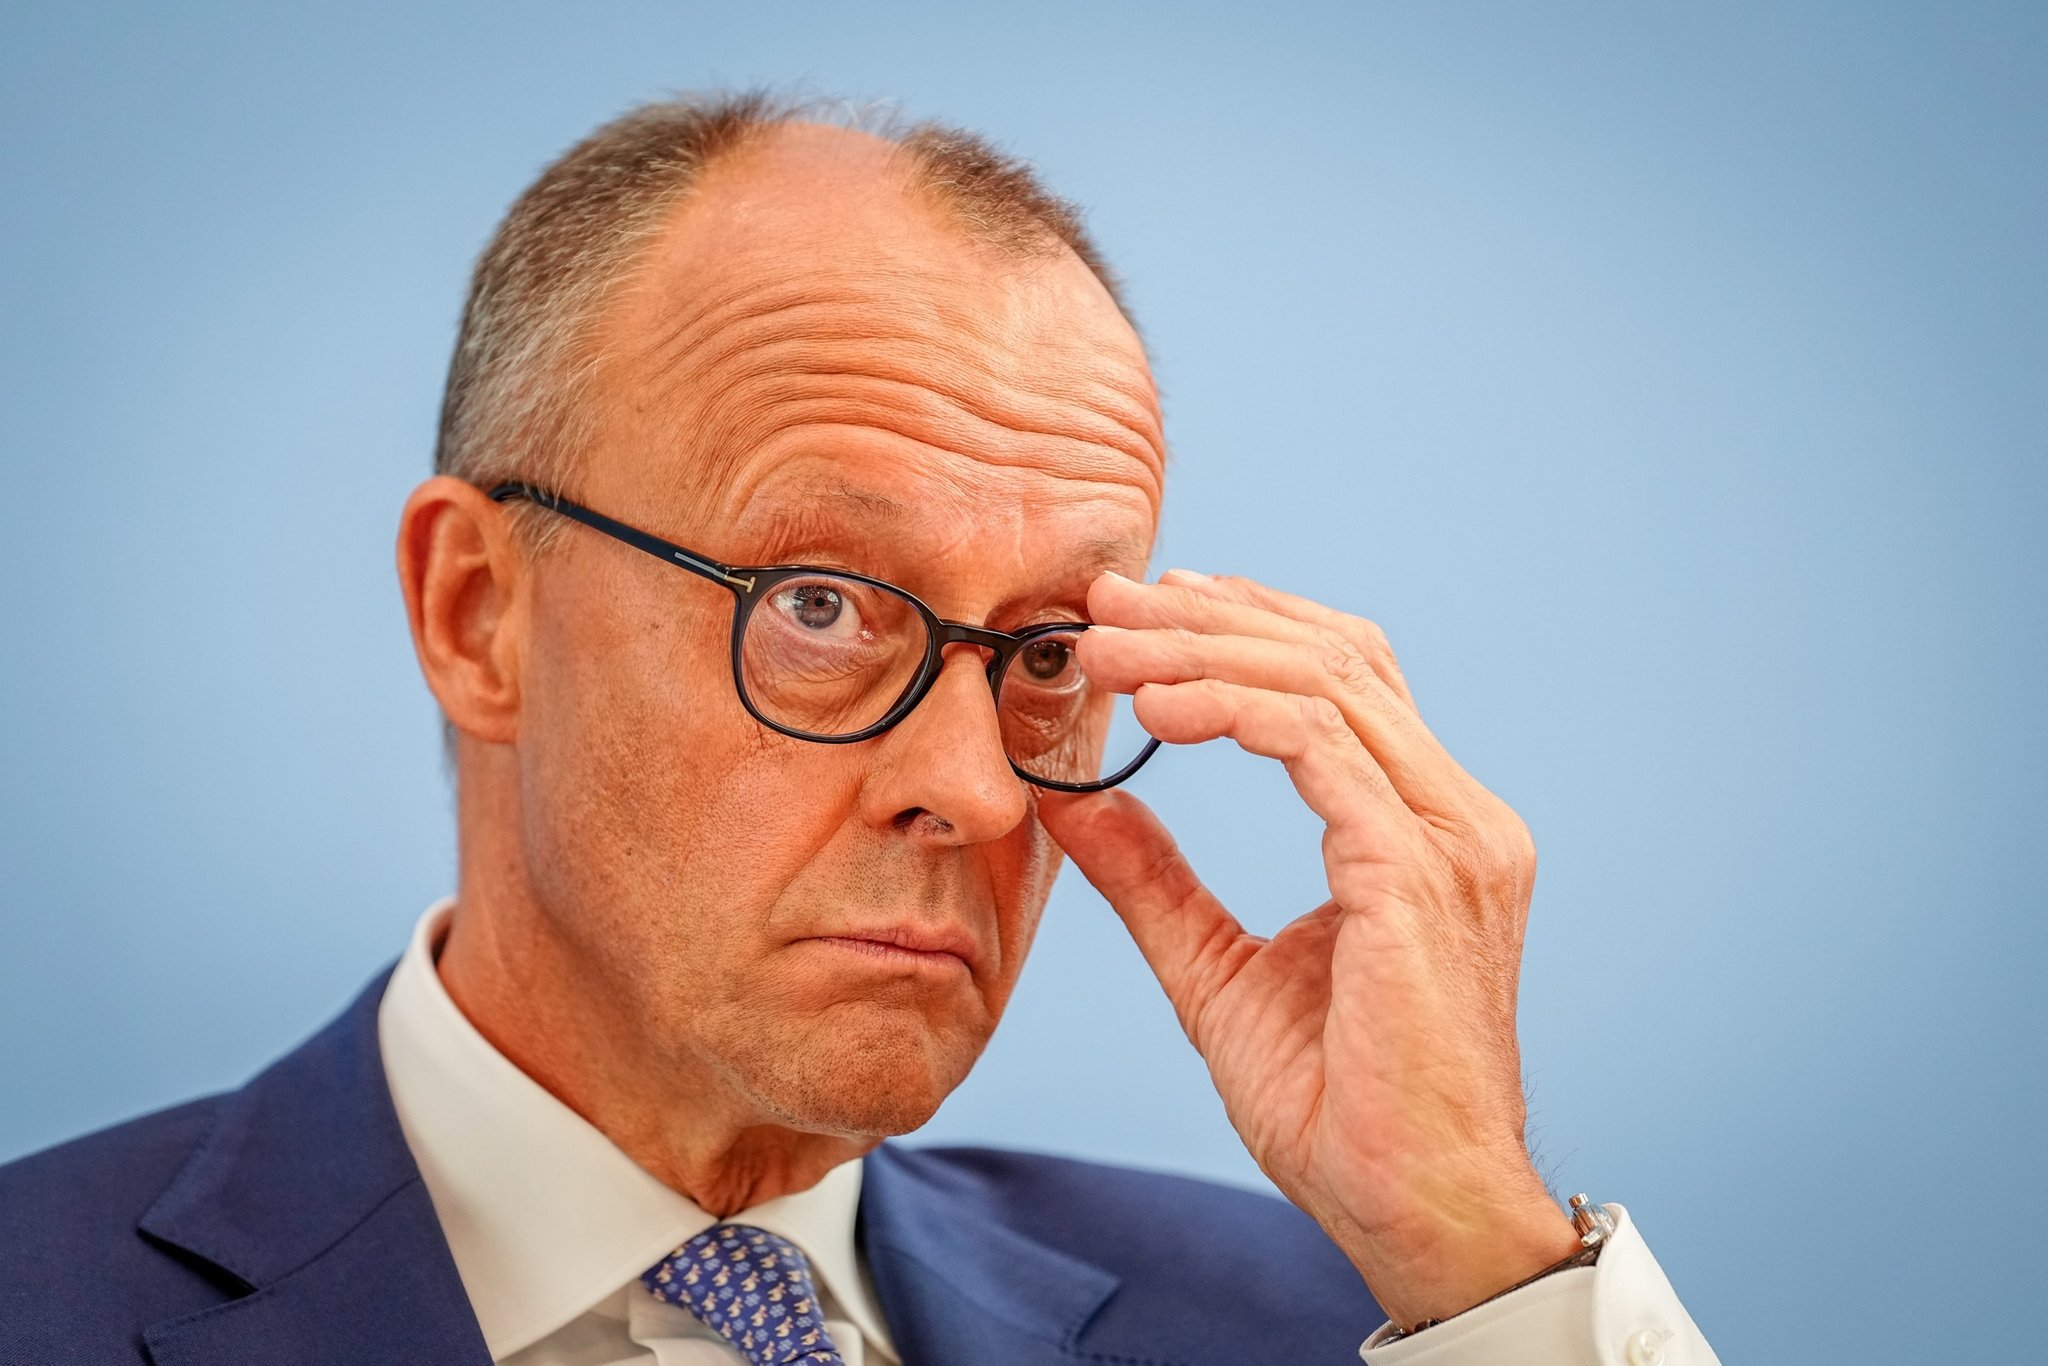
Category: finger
[1191,942]
[1114,600]
[1421,769]
[1362,634]
[1330,769]
[1200,606]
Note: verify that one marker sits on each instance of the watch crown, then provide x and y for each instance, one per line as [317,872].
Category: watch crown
[1595,1225]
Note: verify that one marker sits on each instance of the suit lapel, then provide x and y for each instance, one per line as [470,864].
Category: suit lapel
[958,1288]
[306,1194]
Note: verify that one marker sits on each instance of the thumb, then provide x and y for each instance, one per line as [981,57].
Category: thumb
[1188,938]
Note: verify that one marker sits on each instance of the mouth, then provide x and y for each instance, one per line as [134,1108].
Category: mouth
[917,947]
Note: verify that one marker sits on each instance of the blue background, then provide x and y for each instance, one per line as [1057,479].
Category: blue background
[1667,382]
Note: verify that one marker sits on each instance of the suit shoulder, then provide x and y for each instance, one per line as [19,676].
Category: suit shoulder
[120,1169]
[68,1214]
[1216,1260]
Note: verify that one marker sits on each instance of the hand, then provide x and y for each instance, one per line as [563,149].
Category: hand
[1366,1053]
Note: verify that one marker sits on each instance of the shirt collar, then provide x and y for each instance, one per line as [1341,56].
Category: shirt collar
[545,1216]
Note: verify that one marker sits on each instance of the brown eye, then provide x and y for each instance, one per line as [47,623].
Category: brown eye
[1047,660]
[819,608]
[815,606]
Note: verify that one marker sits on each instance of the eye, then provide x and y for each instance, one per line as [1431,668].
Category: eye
[819,609]
[1047,661]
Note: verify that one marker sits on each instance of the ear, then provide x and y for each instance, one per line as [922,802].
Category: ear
[463,579]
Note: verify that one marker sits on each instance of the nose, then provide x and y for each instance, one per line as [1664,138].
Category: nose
[941,774]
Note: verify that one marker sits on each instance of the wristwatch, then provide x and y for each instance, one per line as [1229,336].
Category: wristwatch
[1595,1226]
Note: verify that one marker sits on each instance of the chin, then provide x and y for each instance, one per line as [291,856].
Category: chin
[861,1071]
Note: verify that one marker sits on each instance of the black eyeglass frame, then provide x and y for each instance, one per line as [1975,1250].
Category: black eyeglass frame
[750,585]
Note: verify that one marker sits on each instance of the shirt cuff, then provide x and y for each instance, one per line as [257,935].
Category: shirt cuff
[1621,1311]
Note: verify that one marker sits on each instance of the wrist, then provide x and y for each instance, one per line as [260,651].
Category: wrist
[1449,1259]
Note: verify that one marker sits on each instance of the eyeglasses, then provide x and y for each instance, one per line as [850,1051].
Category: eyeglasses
[821,654]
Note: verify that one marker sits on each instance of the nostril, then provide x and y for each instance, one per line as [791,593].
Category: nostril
[912,815]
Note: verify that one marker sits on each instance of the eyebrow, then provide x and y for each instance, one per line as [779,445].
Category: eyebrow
[825,515]
[1106,551]
[867,501]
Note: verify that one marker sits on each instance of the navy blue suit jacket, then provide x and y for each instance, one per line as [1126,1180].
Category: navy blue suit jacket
[286,1223]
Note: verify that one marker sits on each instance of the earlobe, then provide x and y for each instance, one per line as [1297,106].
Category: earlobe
[462,576]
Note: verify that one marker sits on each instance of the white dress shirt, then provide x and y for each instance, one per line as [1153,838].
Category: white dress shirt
[1620,1311]
[551,1225]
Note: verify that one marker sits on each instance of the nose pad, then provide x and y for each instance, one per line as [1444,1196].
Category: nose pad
[988,668]
[992,643]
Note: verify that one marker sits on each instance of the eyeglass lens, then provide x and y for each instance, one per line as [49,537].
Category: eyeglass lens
[830,656]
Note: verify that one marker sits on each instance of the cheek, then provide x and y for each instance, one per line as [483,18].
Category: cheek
[607,684]
[1021,870]
[635,763]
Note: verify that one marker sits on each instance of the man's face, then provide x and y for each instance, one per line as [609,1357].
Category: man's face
[814,369]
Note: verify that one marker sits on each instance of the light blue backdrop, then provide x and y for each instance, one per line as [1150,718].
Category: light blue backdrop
[1668,384]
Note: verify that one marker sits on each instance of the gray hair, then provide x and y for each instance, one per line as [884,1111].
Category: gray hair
[521,365]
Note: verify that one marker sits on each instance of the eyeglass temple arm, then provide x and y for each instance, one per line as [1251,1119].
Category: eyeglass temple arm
[633,536]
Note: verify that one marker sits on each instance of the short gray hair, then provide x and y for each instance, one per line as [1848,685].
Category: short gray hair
[512,409]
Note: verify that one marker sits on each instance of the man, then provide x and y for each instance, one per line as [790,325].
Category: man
[753,842]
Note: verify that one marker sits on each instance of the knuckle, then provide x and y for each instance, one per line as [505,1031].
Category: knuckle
[1163,870]
[1192,604]
[1356,847]
[1184,641]
[1521,845]
[1489,855]
[1372,642]
[1508,852]
[1492,856]
[1345,663]
[1323,716]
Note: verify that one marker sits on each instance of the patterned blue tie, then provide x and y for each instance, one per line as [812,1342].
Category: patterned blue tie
[755,1289]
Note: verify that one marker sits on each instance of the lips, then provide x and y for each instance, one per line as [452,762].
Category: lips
[936,944]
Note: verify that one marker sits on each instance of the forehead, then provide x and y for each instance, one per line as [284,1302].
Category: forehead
[808,327]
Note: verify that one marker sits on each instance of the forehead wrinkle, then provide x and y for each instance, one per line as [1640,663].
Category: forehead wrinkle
[793,424]
[889,293]
[731,336]
[951,489]
[759,332]
[752,406]
[708,313]
[795,442]
[737,290]
[1075,423]
[946,408]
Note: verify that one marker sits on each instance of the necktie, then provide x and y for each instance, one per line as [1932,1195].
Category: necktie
[755,1289]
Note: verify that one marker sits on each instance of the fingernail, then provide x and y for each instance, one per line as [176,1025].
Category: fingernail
[1191,575]
[1102,629]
